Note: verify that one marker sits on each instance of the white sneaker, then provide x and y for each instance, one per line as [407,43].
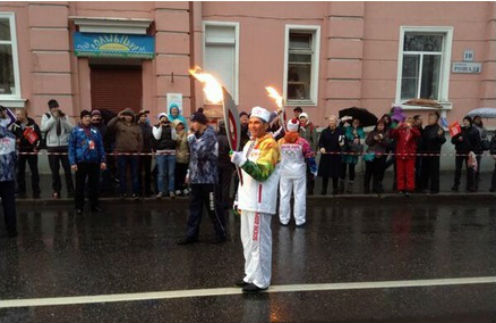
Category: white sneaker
[159,195]
[178,192]
[186,191]
[172,195]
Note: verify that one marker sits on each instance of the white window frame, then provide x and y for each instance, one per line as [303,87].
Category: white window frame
[314,86]
[236,50]
[444,74]
[12,100]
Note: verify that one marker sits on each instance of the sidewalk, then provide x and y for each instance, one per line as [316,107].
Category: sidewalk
[445,192]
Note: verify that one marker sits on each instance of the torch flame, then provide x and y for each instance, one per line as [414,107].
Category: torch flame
[212,88]
[274,95]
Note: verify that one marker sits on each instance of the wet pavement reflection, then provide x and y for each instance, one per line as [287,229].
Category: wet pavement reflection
[131,248]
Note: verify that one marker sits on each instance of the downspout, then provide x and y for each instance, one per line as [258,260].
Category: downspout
[192,58]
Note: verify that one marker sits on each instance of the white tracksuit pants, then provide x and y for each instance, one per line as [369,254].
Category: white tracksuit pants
[256,236]
[299,187]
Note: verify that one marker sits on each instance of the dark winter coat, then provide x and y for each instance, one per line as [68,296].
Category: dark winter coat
[128,136]
[470,140]
[18,129]
[224,149]
[431,140]
[330,164]
[379,147]
[203,152]
[146,132]
[167,140]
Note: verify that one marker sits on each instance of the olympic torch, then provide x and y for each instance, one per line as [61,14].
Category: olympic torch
[272,92]
[217,94]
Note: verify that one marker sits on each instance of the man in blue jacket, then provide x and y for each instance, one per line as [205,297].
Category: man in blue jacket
[8,158]
[87,157]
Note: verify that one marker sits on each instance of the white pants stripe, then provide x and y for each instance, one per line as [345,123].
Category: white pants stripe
[256,236]
[299,188]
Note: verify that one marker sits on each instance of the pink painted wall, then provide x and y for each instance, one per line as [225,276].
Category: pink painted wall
[359,49]
[261,58]
[358,53]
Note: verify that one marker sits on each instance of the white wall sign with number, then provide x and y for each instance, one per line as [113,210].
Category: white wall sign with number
[467,67]
[468,55]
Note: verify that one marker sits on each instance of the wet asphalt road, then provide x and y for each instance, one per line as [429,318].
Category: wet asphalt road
[130,248]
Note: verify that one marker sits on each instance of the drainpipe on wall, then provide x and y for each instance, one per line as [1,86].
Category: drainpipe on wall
[192,57]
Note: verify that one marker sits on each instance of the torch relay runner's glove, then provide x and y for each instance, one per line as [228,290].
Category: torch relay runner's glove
[238,158]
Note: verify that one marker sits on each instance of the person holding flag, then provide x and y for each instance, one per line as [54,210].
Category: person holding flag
[295,154]
[257,199]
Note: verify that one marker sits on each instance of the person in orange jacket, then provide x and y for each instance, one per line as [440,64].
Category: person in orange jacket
[406,148]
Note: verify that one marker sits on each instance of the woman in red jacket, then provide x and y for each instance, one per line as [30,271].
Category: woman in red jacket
[406,148]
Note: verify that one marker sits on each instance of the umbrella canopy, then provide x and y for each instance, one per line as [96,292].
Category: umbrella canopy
[366,118]
[483,113]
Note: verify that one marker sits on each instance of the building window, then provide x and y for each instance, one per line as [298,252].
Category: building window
[9,69]
[424,62]
[301,64]
[221,53]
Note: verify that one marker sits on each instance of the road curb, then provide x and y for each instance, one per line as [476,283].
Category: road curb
[455,197]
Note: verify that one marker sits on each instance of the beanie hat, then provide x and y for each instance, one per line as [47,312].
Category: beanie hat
[53,104]
[303,115]
[85,113]
[96,112]
[162,114]
[293,125]
[199,116]
[261,113]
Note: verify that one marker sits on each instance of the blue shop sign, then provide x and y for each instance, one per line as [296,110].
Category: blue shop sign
[114,45]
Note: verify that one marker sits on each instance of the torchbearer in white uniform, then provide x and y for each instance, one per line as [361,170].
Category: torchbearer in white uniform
[257,199]
[295,154]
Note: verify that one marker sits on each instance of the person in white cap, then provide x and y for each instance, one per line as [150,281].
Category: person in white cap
[295,153]
[257,198]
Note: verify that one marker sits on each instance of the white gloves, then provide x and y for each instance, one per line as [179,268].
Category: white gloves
[238,158]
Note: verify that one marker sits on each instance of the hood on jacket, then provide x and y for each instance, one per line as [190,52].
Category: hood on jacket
[129,112]
[172,106]
[179,115]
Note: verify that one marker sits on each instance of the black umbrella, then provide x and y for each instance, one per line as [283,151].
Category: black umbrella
[366,118]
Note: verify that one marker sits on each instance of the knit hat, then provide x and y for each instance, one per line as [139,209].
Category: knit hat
[84,113]
[293,125]
[95,112]
[261,113]
[128,112]
[162,114]
[53,104]
[303,115]
[199,116]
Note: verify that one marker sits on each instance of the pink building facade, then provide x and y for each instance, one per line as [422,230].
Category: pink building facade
[322,56]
